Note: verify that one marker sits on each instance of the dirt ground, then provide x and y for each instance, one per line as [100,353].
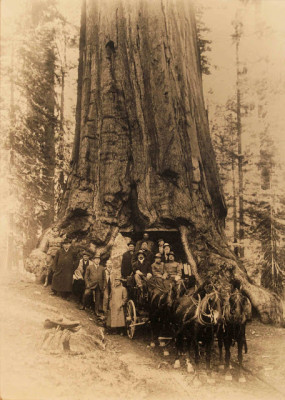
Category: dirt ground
[126,369]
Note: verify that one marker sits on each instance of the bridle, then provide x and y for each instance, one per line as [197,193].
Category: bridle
[201,313]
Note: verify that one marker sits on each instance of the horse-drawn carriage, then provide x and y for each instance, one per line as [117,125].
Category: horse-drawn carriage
[136,307]
[195,316]
[139,308]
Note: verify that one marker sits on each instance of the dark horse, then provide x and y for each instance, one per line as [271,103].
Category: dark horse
[196,316]
[161,295]
[236,313]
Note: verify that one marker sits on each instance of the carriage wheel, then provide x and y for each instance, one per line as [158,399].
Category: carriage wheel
[131,318]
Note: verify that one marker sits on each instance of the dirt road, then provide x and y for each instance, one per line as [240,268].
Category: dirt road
[125,369]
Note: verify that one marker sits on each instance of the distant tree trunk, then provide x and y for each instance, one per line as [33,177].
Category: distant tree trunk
[49,138]
[236,250]
[240,159]
[11,257]
[142,153]
[60,152]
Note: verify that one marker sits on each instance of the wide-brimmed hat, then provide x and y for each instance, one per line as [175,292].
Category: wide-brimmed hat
[85,253]
[97,255]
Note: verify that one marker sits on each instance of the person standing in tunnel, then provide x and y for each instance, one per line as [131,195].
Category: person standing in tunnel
[150,243]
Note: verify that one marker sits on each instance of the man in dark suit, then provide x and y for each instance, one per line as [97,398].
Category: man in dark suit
[150,243]
[94,283]
[149,256]
[65,263]
[79,275]
[141,268]
[126,266]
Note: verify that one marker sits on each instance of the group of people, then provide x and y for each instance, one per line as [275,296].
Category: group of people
[70,272]
[145,259]
[85,277]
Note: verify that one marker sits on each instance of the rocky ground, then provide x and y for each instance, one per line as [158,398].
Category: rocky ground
[125,369]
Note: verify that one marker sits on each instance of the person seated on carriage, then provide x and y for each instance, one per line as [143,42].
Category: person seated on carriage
[173,269]
[166,251]
[147,253]
[157,267]
[141,269]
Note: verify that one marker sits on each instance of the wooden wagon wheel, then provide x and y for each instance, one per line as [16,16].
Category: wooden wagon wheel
[131,318]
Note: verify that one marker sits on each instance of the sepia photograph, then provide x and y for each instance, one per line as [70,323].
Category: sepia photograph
[142,207]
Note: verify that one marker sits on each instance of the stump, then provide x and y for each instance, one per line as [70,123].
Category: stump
[57,339]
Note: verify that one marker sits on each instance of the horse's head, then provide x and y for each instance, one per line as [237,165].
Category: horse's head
[209,310]
[239,308]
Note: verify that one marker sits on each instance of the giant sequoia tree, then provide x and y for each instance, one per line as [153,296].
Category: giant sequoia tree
[142,155]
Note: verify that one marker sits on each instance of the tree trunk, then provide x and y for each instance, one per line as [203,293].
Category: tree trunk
[240,155]
[142,155]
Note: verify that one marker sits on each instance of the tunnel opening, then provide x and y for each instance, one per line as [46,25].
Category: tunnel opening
[171,236]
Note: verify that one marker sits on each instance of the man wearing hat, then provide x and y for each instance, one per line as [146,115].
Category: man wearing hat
[79,275]
[107,285]
[173,270]
[126,266]
[141,268]
[157,267]
[94,283]
[147,253]
[65,263]
[166,251]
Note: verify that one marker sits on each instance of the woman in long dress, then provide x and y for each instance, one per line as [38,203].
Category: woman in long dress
[118,299]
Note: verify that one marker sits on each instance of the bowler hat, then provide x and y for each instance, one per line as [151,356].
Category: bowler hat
[171,253]
[85,253]
[166,244]
[97,255]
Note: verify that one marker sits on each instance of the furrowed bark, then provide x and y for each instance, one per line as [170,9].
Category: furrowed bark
[143,154]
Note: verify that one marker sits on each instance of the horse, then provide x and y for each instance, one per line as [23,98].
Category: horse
[196,316]
[162,294]
[236,312]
